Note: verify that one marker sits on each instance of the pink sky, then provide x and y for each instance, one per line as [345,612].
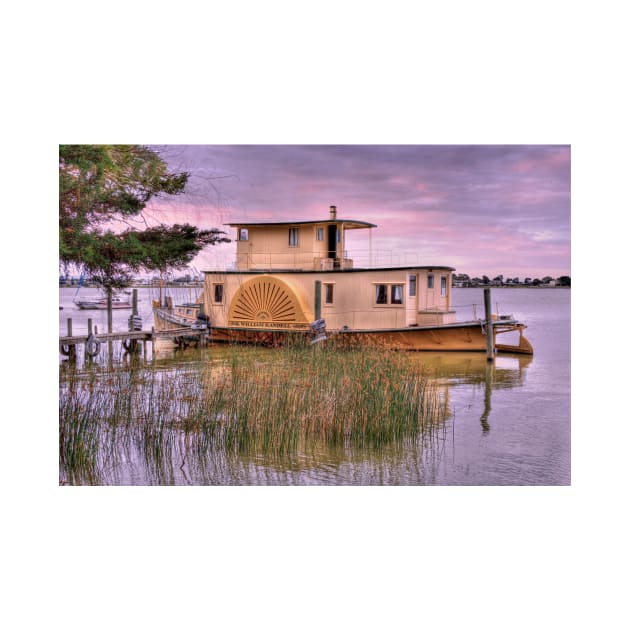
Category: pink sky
[483,209]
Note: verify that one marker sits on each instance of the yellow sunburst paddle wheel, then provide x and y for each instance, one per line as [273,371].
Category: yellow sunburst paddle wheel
[269,303]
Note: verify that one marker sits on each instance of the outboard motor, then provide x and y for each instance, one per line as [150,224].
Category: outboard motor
[318,329]
[202,322]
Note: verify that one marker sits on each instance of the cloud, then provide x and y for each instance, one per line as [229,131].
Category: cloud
[490,206]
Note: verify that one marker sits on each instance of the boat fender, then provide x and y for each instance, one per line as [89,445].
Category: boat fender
[135,323]
[92,346]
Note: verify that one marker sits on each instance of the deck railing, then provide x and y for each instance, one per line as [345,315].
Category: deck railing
[356,259]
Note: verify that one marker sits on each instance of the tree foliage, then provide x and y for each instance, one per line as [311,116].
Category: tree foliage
[103,184]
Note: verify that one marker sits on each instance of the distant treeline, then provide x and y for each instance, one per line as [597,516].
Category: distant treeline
[464,280]
[67,281]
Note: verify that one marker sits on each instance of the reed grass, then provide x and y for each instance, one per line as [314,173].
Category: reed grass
[274,402]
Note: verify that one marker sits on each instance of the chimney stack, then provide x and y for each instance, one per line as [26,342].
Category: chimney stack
[333,212]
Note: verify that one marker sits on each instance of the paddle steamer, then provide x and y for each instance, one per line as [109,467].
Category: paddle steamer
[295,278]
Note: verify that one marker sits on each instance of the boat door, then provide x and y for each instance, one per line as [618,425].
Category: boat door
[332,241]
[412,299]
[430,291]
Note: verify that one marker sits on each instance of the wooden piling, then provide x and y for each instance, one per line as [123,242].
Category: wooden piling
[71,350]
[134,302]
[489,327]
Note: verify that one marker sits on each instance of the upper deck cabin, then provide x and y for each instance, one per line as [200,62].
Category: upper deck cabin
[297,245]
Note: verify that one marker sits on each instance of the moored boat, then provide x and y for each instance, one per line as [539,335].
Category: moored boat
[290,276]
[101,304]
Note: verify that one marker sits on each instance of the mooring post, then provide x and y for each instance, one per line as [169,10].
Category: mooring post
[318,299]
[489,330]
[134,302]
[487,398]
[72,349]
[87,356]
[110,326]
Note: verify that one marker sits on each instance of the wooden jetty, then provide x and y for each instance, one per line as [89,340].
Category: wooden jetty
[130,340]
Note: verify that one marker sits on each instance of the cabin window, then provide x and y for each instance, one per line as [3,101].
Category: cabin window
[443,286]
[218,294]
[243,234]
[381,294]
[397,294]
[430,281]
[294,237]
[320,233]
[328,293]
[389,293]
[412,286]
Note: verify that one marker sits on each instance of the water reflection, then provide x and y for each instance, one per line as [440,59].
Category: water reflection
[144,456]
[458,369]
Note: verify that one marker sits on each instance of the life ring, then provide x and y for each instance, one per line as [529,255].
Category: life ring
[92,346]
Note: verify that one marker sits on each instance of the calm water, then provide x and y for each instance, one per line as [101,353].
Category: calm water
[509,421]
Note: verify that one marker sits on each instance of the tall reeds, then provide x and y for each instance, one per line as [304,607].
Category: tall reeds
[273,402]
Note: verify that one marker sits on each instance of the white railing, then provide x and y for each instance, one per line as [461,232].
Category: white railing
[315,261]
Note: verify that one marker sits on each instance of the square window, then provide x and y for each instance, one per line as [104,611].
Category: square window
[218,293]
[243,234]
[397,294]
[329,293]
[381,294]
[320,233]
[293,237]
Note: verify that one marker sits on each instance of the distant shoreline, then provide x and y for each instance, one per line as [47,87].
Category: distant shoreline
[201,286]
[514,286]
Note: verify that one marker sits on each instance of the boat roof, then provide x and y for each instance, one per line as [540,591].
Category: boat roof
[348,224]
[329,271]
